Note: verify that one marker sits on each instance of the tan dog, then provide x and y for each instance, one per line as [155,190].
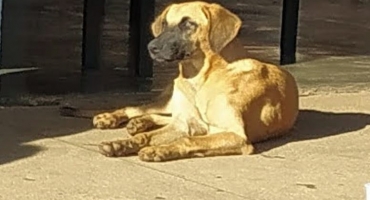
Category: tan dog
[223,107]
[225,27]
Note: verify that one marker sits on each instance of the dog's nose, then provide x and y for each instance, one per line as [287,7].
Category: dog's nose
[153,48]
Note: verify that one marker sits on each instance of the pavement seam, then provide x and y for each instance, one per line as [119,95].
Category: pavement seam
[151,168]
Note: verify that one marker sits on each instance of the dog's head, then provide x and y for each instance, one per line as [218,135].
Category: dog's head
[181,30]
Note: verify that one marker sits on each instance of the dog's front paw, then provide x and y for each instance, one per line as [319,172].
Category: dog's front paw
[139,125]
[108,120]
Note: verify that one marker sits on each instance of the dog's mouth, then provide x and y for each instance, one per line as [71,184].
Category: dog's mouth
[174,58]
[162,60]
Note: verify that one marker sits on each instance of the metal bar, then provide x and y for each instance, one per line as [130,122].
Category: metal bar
[141,15]
[1,37]
[288,40]
[1,32]
[93,16]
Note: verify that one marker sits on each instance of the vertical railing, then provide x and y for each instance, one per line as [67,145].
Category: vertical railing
[93,17]
[288,40]
[12,48]
[1,35]
[141,15]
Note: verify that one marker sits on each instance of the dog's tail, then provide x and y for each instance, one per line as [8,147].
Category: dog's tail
[69,111]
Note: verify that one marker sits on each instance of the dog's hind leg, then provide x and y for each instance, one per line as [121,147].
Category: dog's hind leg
[220,144]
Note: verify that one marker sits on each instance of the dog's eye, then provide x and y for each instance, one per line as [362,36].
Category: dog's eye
[187,24]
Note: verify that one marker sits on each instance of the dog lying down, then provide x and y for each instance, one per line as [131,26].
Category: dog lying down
[220,104]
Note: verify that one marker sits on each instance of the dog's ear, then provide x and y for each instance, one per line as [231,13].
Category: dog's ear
[223,26]
[157,25]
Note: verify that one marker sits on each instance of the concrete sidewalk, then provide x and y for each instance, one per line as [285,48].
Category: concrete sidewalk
[45,156]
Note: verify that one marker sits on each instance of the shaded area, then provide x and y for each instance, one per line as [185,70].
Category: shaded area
[314,124]
[52,32]
[21,125]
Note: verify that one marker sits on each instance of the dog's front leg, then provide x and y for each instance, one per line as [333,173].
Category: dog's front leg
[220,144]
[147,122]
[161,105]
[108,119]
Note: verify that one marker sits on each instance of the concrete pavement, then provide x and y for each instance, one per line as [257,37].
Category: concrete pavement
[45,156]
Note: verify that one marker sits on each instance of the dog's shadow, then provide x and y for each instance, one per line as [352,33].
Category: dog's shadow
[313,124]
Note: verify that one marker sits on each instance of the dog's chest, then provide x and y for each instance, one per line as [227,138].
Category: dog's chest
[210,97]
[197,98]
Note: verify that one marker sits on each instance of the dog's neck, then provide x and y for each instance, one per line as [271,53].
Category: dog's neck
[191,67]
[232,52]
[201,66]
